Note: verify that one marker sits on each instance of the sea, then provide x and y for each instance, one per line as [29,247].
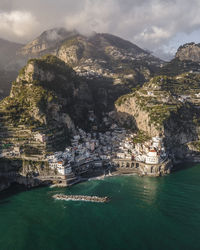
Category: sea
[143,213]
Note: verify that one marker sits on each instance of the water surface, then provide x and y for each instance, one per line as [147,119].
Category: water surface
[144,213]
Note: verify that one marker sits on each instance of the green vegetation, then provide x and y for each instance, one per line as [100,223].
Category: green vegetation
[141,137]
[196,144]
[29,150]
[176,67]
[71,42]
[121,100]
[160,96]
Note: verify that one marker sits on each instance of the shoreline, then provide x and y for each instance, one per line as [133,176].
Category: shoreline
[31,182]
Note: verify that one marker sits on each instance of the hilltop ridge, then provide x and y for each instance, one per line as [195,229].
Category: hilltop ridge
[47,96]
[189,52]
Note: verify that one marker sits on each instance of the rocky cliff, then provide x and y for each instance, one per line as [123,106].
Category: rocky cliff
[187,59]
[48,99]
[111,65]
[47,42]
[46,102]
[97,55]
[189,52]
[168,107]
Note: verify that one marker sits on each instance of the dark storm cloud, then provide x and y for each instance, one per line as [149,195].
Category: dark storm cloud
[149,23]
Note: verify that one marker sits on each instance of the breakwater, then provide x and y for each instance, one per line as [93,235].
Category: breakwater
[81,198]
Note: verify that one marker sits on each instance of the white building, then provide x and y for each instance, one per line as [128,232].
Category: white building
[61,167]
[120,155]
[152,157]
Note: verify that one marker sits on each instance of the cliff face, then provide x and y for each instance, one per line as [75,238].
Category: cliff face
[189,52]
[47,99]
[110,65]
[169,107]
[98,54]
[47,42]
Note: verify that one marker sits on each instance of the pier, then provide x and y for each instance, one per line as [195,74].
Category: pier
[81,198]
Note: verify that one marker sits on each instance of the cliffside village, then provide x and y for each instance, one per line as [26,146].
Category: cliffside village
[96,149]
[102,148]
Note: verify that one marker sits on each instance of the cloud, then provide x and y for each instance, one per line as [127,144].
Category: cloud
[151,24]
[17,24]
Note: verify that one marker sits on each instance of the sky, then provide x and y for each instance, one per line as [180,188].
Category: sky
[160,26]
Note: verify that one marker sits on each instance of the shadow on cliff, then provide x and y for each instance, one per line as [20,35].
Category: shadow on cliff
[181,129]
[11,191]
[14,189]
[126,120]
[183,166]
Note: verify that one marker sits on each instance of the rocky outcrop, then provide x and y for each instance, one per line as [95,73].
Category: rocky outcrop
[23,172]
[48,41]
[167,107]
[189,52]
[130,114]
[46,100]
[109,64]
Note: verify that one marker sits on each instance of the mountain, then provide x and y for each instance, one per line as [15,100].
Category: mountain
[48,99]
[8,65]
[97,55]
[111,65]
[47,42]
[187,59]
[189,52]
[8,51]
[168,107]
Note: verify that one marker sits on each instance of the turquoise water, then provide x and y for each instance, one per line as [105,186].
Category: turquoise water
[144,213]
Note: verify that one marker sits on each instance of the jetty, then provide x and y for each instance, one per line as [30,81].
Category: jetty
[81,198]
